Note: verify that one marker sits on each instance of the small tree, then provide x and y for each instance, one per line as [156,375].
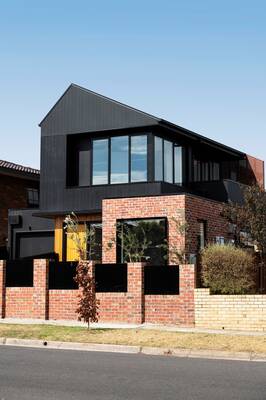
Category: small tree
[134,244]
[178,253]
[249,221]
[227,269]
[88,305]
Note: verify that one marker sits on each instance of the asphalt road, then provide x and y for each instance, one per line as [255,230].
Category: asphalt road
[57,374]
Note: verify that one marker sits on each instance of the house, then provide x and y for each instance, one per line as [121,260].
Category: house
[108,163]
[19,188]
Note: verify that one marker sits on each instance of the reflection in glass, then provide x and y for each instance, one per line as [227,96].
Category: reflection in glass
[158,159]
[132,233]
[119,159]
[94,244]
[100,161]
[178,164]
[139,158]
[168,161]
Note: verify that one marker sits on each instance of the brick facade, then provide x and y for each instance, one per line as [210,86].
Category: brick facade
[132,307]
[233,312]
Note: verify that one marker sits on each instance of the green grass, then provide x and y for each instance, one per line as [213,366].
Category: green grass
[150,338]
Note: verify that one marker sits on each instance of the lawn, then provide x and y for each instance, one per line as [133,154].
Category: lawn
[150,338]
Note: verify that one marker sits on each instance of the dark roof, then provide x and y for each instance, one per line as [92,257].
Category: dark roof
[12,167]
[107,108]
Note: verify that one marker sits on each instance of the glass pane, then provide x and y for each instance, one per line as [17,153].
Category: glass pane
[133,233]
[178,164]
[94,244]
[100,162]
[139,158]
[168,161]
[158,159]
[119,159]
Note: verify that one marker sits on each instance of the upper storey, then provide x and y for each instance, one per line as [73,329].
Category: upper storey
[94,147]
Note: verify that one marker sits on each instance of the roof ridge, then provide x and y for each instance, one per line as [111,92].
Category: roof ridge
[18,167]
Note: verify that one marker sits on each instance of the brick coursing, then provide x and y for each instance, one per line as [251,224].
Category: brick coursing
[233,312]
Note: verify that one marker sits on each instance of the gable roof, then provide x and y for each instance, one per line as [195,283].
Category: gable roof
[10,168]
[81,110]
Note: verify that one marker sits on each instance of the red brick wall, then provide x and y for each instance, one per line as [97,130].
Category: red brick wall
[19,302]
[257,170]
[140,207]
[198,208]
[13,195]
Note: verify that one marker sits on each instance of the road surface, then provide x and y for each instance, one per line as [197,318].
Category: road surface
[27,374]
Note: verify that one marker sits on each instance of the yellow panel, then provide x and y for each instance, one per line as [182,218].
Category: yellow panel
[74,241]
[58,237]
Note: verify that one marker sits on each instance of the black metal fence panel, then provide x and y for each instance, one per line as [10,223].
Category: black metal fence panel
[161,279]
[111,278]
[61,275]
[19,273]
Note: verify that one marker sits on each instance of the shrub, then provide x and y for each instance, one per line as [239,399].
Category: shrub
[227,270]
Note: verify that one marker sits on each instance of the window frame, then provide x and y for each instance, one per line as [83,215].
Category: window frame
[130,135]
[121,220]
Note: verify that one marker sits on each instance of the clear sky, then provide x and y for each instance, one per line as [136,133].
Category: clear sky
[200,64]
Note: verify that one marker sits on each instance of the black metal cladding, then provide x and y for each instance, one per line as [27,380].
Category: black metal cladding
[19,273]
[61,275]
[111,278]
[161,279]
[80,110]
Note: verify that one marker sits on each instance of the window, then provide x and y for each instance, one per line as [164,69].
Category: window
[158,164]
[168,160]
[214,171]
[119,159]
[94,244]
[33,197]
[139,158]
[202,234]
[100,162]
[178,164]
[119,150]
[131,235]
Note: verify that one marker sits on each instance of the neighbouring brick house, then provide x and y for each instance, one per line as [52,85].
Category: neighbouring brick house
[110,163]
[19,188]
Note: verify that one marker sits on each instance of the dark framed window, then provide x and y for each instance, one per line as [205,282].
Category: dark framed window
[202,235]
[100,161]
[168,161]
[33,197]
[132,233]
[138,157]
[120,159]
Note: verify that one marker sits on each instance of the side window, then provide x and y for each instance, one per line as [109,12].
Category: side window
[33,197]
[202,234]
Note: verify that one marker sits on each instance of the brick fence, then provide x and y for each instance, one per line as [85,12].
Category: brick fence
[235,312]
[134,306]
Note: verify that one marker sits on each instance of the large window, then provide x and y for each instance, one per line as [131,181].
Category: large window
[205,171]
[139,158]
[119,159]
[168,161]
[100,162]
[131,234]
[119,150]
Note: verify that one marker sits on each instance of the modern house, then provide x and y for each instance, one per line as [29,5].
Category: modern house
[19,187]
[108,163]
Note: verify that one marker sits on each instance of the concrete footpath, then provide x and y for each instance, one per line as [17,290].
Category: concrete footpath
[105,325]
[109,348]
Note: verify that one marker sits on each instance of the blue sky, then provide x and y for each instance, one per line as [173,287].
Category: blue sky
[200,64]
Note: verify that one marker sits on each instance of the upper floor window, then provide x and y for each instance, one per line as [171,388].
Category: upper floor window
[167,161]
[33,197]
[100,161]
[128,160]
